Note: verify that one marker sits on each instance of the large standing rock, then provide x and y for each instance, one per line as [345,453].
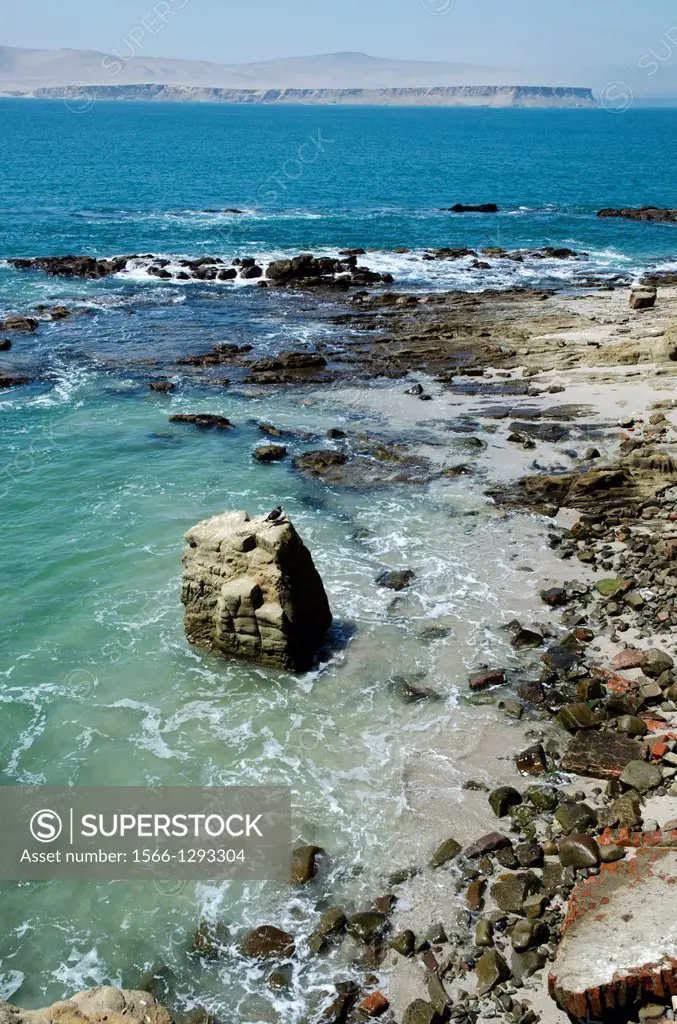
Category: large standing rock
[251,590]
[104,1003]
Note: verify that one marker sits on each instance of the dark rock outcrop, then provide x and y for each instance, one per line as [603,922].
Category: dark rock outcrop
[20,324]
[482,208]
[268,943]
[645,213]
[73,266]
[204,420]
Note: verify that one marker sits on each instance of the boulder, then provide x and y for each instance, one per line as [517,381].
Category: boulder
[532,761]
[510,891]
[104,1003]
[523,965]
[250,590]
[446,851]
[338,1011]
[332,922]
[578,851]
[575,717]
[575,817]
[642,776]
[373,1005]
[270,453]
[502,799]
[268,943]
[487,844]
[490,971]
[404,943]
[528,934]
[421,1012]
[367,926]
[304,863]
[643,298]
[629,658]
[22,324]
[656,662]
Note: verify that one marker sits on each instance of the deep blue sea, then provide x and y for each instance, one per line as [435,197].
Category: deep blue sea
[97,683]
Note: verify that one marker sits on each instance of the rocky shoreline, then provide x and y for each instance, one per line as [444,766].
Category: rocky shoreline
[584,825]
[587,816]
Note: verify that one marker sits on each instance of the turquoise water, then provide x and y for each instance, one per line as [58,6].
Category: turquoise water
[97,683]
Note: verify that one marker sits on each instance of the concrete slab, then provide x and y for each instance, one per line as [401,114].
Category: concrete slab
[620,937]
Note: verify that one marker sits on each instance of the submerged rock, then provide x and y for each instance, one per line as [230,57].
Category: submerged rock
[210,940]
[395,579]
[410,692]
[251,590]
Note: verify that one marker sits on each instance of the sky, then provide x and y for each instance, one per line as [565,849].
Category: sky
[590,40]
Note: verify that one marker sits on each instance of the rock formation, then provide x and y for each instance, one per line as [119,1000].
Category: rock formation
[646,213]
[113,1005]
[251,590]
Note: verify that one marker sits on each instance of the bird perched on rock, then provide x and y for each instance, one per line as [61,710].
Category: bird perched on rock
[273,516]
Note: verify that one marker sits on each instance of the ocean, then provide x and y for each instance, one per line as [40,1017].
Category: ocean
[98,686]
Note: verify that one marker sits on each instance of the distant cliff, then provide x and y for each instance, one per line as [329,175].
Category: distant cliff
[441,96]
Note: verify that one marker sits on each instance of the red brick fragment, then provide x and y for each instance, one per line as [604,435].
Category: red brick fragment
[374,1005]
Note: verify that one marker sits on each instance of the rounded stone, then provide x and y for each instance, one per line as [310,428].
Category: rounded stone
[579,851]
[502,799]
[630,725]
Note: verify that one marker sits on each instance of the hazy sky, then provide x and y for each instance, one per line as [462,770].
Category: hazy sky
[590,38]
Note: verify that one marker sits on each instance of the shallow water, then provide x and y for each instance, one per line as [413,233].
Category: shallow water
[97,683]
